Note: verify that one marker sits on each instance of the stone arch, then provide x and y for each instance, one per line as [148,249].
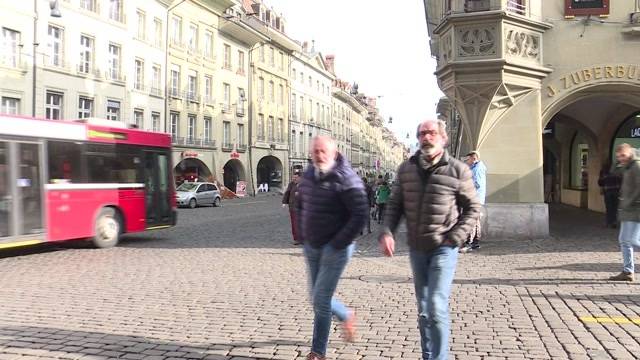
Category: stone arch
[270,171]
[192,169]
[233,171]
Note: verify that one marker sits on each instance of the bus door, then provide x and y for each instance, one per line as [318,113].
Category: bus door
[157,188]
[21,192]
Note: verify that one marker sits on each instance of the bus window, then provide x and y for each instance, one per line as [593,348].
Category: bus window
[113,164]
[64,162]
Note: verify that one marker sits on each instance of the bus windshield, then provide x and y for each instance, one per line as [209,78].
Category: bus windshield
[187,186]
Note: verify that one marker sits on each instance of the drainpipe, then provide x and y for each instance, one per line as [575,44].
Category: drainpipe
[250,117]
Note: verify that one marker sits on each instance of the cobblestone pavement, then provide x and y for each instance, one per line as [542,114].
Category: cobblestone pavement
[226,284]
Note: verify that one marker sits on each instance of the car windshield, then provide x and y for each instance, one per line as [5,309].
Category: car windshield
[187,187]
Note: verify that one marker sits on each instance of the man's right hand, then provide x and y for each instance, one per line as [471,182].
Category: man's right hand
[387,244]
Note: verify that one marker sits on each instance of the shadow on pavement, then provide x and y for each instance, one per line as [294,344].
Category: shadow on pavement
[589,267]
[72,344]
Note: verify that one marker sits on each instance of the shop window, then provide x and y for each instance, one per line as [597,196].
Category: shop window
[628,132]
[579,162]
[586,7]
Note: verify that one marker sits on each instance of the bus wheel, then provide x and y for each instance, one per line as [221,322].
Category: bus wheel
[107,228]
[193,203]
[216,202]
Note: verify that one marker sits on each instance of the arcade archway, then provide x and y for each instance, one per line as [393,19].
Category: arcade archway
[233,172]
[269,171]
[191,169]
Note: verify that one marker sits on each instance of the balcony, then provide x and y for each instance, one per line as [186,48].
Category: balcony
[85,70]
[191,96]
[115,75]
[226,146]
[226,108]
[241,148]
[193,141]
[239,110]
[155,91]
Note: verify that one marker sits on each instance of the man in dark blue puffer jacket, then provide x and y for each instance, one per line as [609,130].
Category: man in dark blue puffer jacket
[332,209]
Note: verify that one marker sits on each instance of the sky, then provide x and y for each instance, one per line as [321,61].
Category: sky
[383,48]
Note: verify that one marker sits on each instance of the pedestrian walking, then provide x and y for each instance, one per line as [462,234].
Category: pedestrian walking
[628,209]
[610,182]
[479,176]
[371,200]
[382,196]
[434,192]
[332,208]
[289,199]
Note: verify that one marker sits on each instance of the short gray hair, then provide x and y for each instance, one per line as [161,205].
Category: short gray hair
[442,128]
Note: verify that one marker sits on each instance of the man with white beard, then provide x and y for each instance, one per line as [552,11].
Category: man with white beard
[435,194]
[332,210]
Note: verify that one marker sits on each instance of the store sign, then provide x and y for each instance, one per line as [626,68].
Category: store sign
[635,132]
[593,74]
[241,188]
[586,7]
[113,104]
[234,155]
[190,154]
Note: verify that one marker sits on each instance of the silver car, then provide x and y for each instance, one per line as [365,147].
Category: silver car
[192,194]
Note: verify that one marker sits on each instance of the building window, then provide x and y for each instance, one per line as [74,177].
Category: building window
[272,96]
[280,132]
[301,77]
[262,53]
[54,46]
[175,80]
[628,132]
[226,134]
[139,75]
[113,110]
[227,57]
[53,107]
[193,85]
[176,30]
[311,109]
[142,24]
[208,81]
[89,5]
[292,145]
[174,118]
[241,141]
[272,60]
[270,129]
[10,106]
[310,82]
[293,107]
[115,10]
[157,25]
[302,115]
[193,37]
[191,128]
[240,62]
[260,88]
[580,162]
[260,127]
[114,62]
[240,105]
[85,107]
[208,44]
[86,54]
[301,144]
[227,96]
[138,118]
[207,129]
[293,75]
[318,85]
[280,94]
[281,57]
[155,121]
[156,80]
[318,118]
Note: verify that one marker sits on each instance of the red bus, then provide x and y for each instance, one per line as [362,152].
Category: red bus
[86,179]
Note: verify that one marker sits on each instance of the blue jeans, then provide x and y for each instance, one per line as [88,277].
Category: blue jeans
[433,274]
[629,238]
[326,265]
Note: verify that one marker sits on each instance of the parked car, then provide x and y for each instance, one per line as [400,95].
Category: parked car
[192,194]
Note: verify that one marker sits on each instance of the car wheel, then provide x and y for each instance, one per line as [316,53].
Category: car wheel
[217,202]
[107,228]
[193,203]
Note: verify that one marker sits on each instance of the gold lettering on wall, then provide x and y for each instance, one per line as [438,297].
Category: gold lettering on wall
[591,74]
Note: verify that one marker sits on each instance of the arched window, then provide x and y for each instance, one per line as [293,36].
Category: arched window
[579,162]
[628,132]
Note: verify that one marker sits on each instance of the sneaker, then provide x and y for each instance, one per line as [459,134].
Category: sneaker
[314,356]
[623,276]
[465,249]
[475,246]
[349,328]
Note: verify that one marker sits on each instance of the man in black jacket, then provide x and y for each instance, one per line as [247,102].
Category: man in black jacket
[332,209]
[435,194]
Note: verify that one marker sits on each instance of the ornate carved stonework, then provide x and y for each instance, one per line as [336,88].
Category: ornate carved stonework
[476,41]
[522,44]
[447,48]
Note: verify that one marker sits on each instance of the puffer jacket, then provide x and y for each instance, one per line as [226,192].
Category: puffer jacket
[629,206]
[333,209]
[439,204]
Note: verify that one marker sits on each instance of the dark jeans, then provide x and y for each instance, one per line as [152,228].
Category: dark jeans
[611,203]
[381,212]
[294,225]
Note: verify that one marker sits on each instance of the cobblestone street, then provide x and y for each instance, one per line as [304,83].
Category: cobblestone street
[226,283]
